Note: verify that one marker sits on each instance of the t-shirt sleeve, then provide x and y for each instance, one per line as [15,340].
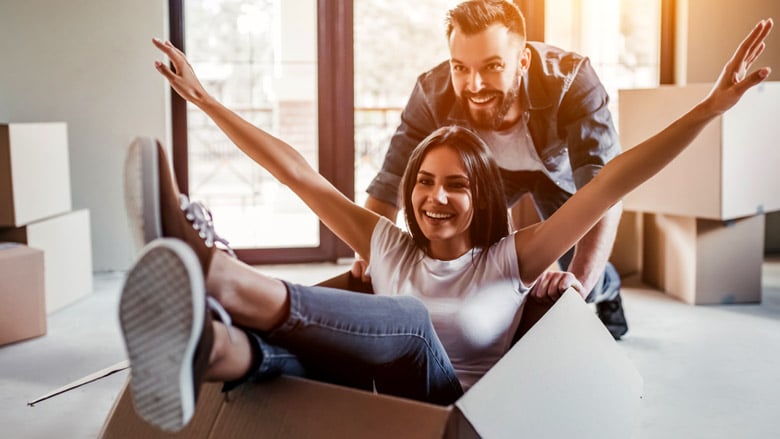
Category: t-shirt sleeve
[386,237]
[506,256]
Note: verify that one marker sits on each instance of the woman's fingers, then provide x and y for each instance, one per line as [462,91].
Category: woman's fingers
[176,56]
[751,48]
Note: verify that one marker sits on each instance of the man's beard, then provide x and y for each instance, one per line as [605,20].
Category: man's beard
[493,117]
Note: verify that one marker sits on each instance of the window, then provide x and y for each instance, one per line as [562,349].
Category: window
[261,59]
[395,41]
[621,38]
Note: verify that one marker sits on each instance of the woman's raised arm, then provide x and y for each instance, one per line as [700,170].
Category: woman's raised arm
[541,244]
[350,222]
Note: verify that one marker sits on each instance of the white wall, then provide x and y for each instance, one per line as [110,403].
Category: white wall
[88,63]
[714,28]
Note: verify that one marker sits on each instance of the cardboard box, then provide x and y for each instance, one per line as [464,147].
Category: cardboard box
[34,172]
[626,253]
[22,306]
[729,171]
[704,261]
[67,253]
[565,378]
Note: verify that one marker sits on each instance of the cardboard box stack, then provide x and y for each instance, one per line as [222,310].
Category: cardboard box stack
[703,215]
[35,208]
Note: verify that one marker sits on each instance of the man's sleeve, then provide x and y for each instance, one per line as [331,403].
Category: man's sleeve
[416,123]
[590,132]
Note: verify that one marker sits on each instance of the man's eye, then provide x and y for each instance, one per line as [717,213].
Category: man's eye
[458,69]
[496,67]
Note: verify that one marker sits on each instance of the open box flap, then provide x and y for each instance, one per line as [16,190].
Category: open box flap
[567,377]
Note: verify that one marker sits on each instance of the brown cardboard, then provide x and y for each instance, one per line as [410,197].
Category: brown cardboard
[34,172]
[565,378]
[728,171]
[626,253]
[22,307]
[67,252]
[704,261]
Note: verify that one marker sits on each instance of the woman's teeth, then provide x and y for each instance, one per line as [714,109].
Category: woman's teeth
[435,215]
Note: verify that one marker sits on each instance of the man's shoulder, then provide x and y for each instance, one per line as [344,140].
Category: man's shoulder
[437,77]
[554,60]
[434,88]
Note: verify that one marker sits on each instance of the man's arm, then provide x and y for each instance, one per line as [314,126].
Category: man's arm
[593,141]
[593,250]
[386,210]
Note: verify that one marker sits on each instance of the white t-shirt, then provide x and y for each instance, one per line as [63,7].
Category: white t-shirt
[514,148]
[474,302]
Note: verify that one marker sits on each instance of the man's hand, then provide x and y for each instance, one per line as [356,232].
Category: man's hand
[358,270]
[551,284]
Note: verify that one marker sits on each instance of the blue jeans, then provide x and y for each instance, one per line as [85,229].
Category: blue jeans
[361,341]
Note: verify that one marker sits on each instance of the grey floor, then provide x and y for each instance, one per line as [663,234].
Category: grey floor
[709,371]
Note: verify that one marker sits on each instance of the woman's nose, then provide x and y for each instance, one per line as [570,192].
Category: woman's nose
[440,195]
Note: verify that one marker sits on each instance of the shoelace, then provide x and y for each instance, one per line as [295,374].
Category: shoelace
[202,221]
[223,315]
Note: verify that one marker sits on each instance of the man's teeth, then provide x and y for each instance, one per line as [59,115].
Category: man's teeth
[435,215]
[481,99]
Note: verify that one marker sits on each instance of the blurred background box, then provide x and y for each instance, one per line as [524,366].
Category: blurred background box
[626,253]
[702,261]
[67,249]
[730,169]
[22,300]
[34,172]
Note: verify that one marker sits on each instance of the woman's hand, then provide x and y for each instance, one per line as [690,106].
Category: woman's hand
[734,79]
[182,78]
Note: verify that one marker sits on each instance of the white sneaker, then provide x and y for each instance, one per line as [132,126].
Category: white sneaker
[168,332]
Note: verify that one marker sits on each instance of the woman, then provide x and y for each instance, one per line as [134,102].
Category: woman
[458,259]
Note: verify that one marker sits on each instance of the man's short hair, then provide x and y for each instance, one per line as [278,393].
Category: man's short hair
[475,16]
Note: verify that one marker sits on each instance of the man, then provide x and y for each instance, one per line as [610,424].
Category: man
[542,110]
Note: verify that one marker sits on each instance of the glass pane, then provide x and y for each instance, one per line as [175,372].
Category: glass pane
[259,58]
[621,38]
[395,41]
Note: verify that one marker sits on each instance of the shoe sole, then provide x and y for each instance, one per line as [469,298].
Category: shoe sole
[142,189]
[161,313]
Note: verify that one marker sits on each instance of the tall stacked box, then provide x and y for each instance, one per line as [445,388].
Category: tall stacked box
[726,176]
[35,207]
